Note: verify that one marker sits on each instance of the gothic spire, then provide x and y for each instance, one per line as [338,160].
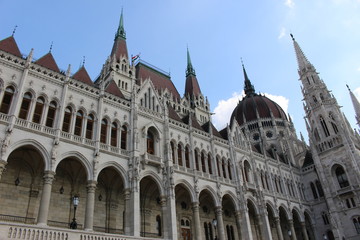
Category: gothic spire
[121,30]
[119,49]
[248,87]
[303,62]
[356,105]
[189,69]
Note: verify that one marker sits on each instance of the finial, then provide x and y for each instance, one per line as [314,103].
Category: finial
[51,46]
[14,30]
[348,87]
[292,37]
[83,63]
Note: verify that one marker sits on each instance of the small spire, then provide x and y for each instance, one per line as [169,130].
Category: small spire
[14,30]
[248,87]
[356,105]
[51,46]
[302,60]
[83,63]
[121,30]
[189,69]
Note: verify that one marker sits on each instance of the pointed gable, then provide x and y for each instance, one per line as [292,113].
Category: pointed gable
[48,61]
[9,45]
[192,86]
[215,132]
[119,49]
[112,88]
[83,76]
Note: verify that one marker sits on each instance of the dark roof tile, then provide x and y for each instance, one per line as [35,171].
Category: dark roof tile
[9,45]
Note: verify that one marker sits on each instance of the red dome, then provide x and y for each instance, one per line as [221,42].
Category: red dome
[246,109]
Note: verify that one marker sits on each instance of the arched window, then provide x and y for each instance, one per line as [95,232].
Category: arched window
[197,160]
[89,126]
[39,107]
[103,131]
[341,177]
[158,225]
[187,157]
[203,166]
[325,218]
[114,134]
[262,179]
[209,163]
[324,126]
[313,190]
[229,170]
[316,135]
[319,188]
[356,222]
[218,166]
[247,170]
[172,151]
[51,114]
[78,123]
[7,99]
[25,106]
[123,137]
[180,161]
[67,119]
[150,143]
[223,168]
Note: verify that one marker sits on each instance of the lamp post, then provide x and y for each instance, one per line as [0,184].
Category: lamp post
[73,224]
[289,233]
[214,222]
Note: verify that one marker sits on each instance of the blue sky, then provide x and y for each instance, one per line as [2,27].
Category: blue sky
[218,34]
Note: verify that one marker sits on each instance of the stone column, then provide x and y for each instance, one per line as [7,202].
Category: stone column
[264,224]
[238,223]
[164,220]
[245,224]
[292,229]
[278,228]
[45,198]
[220,223]
[126,212]
[90,202]
[303,229]
[2,167]
[196,218]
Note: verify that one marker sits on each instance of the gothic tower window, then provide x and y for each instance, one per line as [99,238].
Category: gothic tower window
[51,114]
[7,99]
[333,124]
[25,106]
[324,126]
[89,126]
[341,177]
[123,137]
[39,107]
[78,123]
[316,135]
[103,131]
[321,96]
[114,134]
[150,143]
[67,119]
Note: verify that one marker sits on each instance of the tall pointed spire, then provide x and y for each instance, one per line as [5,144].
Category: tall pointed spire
[303,62]
[189,69]
[248,87]
[356,105]
[121,30]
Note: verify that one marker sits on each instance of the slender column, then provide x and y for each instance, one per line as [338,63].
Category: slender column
[238,223]
[196,216]
[220,223]
[278,228]
[293,233]
[2,167]
[126,212]
[164,220]
[171,218]
[265,226]
[245,224]
[45,198]
[303,228]
[90,201]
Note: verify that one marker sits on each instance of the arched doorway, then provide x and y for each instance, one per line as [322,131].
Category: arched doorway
[184,212]
[254,222]
[208,220]
[309,228]
[229,217]
[272,221]
[284,223]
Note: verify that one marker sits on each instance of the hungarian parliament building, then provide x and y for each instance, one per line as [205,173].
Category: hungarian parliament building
[125,156]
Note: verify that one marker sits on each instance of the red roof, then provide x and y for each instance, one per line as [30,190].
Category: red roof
[48,61]
[160,80]
[9,45]
[114,89]
[83,76]
[192,86]
[119,48]
[173,114]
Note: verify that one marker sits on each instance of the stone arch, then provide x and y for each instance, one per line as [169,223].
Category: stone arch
[233,198]
[184,183]
[81,108]
[212,193]
[81,158]
[251,201]
[122,172]
[155,177]
[286,211]
[297,211]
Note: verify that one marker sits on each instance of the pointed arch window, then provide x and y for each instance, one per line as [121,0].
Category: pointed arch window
[316,135]
[7,100]
[223,168]
[218,166]
[150,143]
[180,161]
[114,134]
[324,126]
[25,106]
[172,151]
[210,164]
[187,157]
[325,218]
[313,189]
[197,160]
[67,119]
[90,126]
[103,131]
[123,137]
[229,170]
[203,165]
[341,177]
[319,188]
[39,108]
[356,222]
[79,123]
[51,114]
[333,124]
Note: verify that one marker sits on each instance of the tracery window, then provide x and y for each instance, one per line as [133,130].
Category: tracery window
[203,165]
[172,151]
[39,107]
[229,170]
[7,100]
[319,188]
[123,137]
[180,162]
[114,134]
[67,119]
[209,163]
[356,221]
[78,123]
[25,106]
[324,126]
[103,131]
[197,160]
[89,126]
[313,189]
[51,114]
[187,157]
[341,177]
[150,143]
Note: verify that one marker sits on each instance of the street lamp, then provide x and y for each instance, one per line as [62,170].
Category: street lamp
[214,222]
[73,224]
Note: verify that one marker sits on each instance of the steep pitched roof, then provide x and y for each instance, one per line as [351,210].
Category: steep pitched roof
[215,132]
[113,89]
[224,133]
[192,86]
[119,48]
[9,45]
[48,61]
[194,122]
[173,114]
[83,76]
[160,80]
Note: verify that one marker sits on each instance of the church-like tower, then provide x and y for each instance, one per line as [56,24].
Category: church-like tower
[335,150]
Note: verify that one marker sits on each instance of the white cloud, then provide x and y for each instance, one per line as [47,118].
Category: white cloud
[282,33]
[225,108]
[289,3]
